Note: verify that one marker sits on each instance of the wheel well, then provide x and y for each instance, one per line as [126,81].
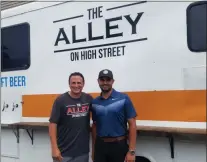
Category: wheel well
[142,159]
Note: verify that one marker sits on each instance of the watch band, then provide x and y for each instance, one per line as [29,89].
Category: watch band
[132,152]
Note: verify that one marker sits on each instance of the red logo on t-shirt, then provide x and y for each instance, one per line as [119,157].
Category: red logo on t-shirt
[78,110]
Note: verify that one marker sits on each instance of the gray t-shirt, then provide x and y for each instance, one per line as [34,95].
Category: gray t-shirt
[72,117]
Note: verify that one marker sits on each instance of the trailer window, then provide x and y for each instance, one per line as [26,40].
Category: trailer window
[15,47]
[196,26]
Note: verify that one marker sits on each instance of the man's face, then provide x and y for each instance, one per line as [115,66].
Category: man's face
[105,83]
[76,84]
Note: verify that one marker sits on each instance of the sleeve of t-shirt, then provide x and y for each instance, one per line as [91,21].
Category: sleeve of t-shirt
[90,98]
[90,103]
[55,113]
[129,108]
[91,109]
[93,114]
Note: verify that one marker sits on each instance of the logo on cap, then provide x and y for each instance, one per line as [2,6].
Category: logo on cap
[105,71]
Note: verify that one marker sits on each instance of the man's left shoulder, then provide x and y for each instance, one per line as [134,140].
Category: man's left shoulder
[87,96]
[122,95]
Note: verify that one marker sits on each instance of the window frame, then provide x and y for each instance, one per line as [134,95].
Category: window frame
[29,47]
[188,22]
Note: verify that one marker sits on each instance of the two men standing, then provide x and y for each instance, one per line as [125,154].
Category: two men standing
[111,111]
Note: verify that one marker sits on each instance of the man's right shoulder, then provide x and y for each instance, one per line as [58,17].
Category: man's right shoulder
[96,99]
[87,96]
[61,97]
[90,96]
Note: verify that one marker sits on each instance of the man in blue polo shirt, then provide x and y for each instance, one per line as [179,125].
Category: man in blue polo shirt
[111,111]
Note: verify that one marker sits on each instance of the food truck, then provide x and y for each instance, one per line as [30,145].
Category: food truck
[156,50]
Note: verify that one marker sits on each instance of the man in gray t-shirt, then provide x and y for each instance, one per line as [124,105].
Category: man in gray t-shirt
[70,123]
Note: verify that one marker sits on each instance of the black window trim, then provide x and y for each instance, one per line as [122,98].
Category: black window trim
[29,44]
[187,15]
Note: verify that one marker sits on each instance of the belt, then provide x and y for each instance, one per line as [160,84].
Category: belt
[112,139]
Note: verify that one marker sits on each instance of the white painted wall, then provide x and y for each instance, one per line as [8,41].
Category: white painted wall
[156,149]
[9,146]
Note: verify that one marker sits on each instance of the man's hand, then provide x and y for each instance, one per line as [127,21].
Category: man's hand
[92,156]
[129,157]
[56,155]
[132,140]
[93,139]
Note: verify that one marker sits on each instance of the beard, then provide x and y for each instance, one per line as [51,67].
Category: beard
[106,90]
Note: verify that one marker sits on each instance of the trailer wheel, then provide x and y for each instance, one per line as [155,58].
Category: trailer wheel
[142,159]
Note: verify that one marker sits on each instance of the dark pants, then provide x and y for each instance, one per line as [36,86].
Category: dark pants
[110,151]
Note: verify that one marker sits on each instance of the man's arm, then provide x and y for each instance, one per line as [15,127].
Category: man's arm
[132,133]
[131,117]
[93,133]
[53,136]
[93,139]
[54,119]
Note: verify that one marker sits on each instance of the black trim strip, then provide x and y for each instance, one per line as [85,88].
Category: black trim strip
[100,45]
[69,18]
[127,5]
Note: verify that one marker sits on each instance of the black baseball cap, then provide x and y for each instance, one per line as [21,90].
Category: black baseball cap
[105,73]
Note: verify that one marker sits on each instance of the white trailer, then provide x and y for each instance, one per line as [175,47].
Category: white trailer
[157,51]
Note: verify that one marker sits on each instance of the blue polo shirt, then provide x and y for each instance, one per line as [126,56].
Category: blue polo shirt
[111,114]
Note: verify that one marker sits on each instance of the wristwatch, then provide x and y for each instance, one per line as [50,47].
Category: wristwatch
[132,152]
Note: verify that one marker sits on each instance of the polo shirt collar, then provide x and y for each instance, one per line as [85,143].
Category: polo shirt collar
[113,94]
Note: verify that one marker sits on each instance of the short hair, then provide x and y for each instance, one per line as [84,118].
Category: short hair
[76,74]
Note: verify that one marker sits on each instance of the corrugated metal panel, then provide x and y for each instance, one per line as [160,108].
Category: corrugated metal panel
[10,4]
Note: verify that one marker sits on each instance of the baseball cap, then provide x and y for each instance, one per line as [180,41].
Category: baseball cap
[105,73]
